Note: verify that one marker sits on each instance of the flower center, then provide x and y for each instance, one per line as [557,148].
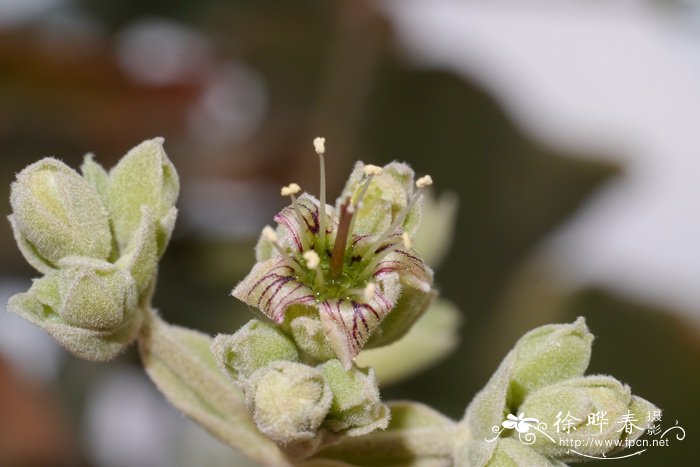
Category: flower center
[340,271]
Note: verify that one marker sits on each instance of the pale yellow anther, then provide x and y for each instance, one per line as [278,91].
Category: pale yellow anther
[269,234]
[312,259]
[320,145]
[424,181]
[406,239]
[291,189]
[369,291]
[370,169]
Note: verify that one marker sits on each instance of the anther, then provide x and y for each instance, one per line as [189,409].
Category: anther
[290,190]
[320,145]
[424,181]
[312,259]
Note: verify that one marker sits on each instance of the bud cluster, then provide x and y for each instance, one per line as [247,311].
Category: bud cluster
[96,239]
[539,383]
[295,403]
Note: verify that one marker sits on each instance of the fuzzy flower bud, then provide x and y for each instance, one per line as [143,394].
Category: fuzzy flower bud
[579,410]
[289,401]
[144,177]
[88,306]
[549,354]
[56,213]
[252,347]
[94,294]
[357,408]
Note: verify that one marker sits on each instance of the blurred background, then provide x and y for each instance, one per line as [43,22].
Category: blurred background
[569,130]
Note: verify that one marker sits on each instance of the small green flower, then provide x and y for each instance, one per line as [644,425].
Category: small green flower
[347,264]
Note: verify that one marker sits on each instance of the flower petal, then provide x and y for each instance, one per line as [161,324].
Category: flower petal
[404,261]
[349,323]
[292,229]
[272,288]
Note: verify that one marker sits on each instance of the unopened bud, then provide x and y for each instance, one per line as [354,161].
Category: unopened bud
[144,177]
[253,346]
[289,401]
[357,408]
[56,213]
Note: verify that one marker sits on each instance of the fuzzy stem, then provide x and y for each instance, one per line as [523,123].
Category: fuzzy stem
[180,364]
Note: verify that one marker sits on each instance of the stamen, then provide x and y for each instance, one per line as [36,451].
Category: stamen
[370,171]
[313,261]
[379,257]
[291,190]
[320,147]
[269,234]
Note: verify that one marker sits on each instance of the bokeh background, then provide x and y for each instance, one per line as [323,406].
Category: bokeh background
[569,130]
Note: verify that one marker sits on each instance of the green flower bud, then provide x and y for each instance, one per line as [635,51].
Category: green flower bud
[144,177]
[357,408]
[549,354]
[289,401]
[256,345]
[310,336]
[56,213]
[94,294]
[586,414]
[75,294]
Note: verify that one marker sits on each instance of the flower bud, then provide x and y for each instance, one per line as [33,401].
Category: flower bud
[94,294]
[254,346]
[310,336]
[56,213]
[549,354]
[144,177]
[357,408]
[67,295]
[587,414]
[288,400]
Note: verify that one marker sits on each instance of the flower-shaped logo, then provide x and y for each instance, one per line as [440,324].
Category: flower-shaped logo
[520,423]
[337,260]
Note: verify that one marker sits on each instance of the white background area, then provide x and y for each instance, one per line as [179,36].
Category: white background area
[619,78]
